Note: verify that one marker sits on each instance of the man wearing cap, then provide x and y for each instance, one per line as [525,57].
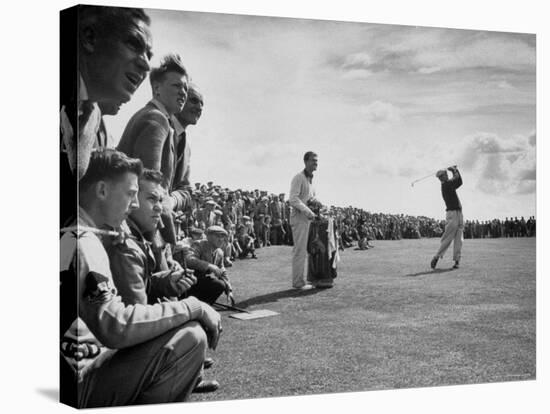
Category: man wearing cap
[276,208]
[261,210]
[155,353]
[206,258]
[301,191]
[454,226]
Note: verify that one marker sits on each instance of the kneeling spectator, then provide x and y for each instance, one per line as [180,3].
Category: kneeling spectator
[133,262]
[206,258]
[245,242]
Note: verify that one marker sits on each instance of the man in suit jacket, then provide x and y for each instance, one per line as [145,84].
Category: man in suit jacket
[113,51]
[149,134]
[189,115]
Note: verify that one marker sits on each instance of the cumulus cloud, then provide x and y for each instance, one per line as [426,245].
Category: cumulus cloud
[379,112]
[532,138]
[499,165]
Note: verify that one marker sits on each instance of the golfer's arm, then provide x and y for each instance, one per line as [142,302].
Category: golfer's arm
[457,178]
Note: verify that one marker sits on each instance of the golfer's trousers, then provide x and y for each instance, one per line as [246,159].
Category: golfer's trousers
[300,232]
[454,232]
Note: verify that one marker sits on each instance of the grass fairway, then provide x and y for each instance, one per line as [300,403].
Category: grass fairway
[388,322]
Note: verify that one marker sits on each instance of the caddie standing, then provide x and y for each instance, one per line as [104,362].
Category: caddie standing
[301,191]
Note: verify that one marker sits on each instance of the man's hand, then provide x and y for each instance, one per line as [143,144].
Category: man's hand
[230,298]
[211,321]
[216,270]
[182,281]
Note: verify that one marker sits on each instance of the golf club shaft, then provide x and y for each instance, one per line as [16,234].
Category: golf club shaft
[423,178]
[223,305]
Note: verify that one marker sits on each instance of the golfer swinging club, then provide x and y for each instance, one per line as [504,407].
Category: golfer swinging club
[454,226]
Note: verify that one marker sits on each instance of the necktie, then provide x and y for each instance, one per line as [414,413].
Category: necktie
[89,118]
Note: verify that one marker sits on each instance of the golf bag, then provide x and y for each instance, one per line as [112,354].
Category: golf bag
[322,252]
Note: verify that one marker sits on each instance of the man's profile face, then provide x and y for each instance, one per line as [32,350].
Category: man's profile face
[217,240]
[120,199]
[147,216]
[119,62]
[311,163]
[192,110]
[172,91]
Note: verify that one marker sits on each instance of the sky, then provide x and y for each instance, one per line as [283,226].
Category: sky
[382,105]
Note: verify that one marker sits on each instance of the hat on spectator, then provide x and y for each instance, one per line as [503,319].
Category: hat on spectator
[218,212]
[196,231]
[219,230]
[246,218]
[211,202]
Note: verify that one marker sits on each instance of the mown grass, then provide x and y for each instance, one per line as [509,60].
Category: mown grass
[388,322]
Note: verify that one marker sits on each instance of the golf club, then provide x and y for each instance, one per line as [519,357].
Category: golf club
[428,176]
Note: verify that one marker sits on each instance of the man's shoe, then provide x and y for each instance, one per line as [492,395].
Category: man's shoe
[305,287]
[206,386]
[455,266]
[434,262]
[208,362]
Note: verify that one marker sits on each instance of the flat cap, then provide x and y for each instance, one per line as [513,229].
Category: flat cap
[219,230]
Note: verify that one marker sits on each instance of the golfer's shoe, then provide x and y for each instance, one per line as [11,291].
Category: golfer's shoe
[455,266]
[208,362]
[433,263]
[206,386]
[305,287]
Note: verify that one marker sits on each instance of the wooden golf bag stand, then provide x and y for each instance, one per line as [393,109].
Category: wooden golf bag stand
[322,253]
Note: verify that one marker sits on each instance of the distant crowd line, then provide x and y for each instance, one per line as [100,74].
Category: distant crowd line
[257,218]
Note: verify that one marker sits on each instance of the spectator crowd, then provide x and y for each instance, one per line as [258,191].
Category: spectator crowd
[144,253]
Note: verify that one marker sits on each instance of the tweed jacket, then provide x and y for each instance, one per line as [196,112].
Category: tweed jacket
[150,137]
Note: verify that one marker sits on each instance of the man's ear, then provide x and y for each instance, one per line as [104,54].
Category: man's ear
[88,37]
[102,190]
[155,87]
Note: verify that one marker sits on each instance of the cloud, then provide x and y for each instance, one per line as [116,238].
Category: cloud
[498,165]
[525,187]
[504,85]
[528,175]
[380,112]
[357,61]
[357,74]
[427,70]
[431,50]
[532,138]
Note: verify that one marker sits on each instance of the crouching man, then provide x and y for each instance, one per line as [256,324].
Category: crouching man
[206,258]
[147,353]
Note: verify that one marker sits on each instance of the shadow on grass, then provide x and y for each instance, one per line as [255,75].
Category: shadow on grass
[275,296]
[430,272]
